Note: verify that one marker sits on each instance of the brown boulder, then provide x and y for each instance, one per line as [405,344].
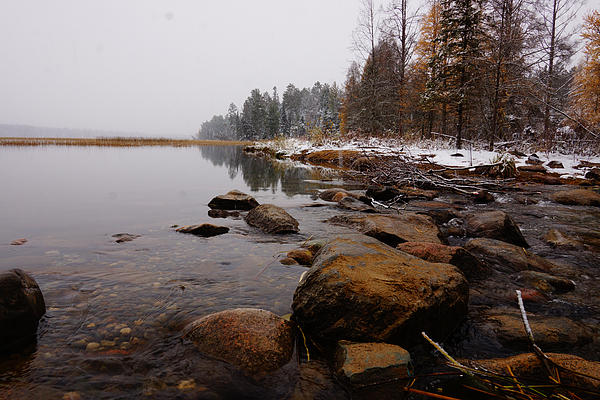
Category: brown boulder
[506,257]
[495,225]
[205,230]
[21,307]
[352,204]
[361,290]
[271,219]
[233,200]
[470,266]
[257,341]
[577,197]
[593,173]
[394,229]
[532,168]
[302,256]
[545,282]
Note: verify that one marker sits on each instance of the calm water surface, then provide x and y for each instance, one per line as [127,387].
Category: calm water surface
[115,310]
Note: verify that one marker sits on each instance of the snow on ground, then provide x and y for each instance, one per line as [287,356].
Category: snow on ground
[440,153]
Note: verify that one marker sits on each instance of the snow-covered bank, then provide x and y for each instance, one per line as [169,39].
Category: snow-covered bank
[441,153]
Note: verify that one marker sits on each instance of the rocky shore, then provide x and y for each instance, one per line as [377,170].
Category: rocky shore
[367,298]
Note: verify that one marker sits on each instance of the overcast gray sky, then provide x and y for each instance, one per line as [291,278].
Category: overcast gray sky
[161,67]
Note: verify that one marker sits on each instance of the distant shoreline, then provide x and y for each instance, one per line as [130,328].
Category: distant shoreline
[114,142]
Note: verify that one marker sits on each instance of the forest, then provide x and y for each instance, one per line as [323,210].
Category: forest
[490,72]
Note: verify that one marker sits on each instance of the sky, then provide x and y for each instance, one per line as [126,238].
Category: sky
[161,68]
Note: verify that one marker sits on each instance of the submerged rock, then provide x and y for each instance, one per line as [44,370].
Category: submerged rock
[394,229]
[495,225]
[257,341]
[359,289]
[125,237]
[577,197]
[545,282]
[302,256]
[272,219]
[18,242]
[206,230]
[21,307]
[557,238]
[233,200]
[350,203]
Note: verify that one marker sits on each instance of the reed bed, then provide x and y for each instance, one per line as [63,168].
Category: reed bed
[113,142]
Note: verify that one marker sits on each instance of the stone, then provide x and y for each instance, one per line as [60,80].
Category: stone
[577,197]
[394,229]
[532,168]
[556,238]
[494,225]
[216,213]
[526,200]
[507,257]
[483,197]
[367,363]
[593,173]
[352,204]
[330,195]
[362,164]
[530,365]
[233,200]
[205,230]
[271,219]
[555,165]
[440,215]
[303,256]
[256,341]
[550,333]
[288,261]
[125,237]
[383,193]
[533,160]
[469,265]
[18,242]
[21,308]
[545,282]
[339,196]
[361,290]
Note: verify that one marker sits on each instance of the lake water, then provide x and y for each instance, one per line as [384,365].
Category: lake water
[114,311]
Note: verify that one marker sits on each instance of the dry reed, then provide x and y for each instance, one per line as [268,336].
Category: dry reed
[112,142]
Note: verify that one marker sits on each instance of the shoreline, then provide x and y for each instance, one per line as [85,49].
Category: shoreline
[115,142]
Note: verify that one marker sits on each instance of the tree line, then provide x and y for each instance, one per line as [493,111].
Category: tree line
[474,70]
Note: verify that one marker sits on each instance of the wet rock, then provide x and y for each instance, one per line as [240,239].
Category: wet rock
[359,289]
[495,225]
[545,282]
[21,307]
[527,200]
[383,193]
[205,230]
[455,227]
[216,213]
[506,257]
[440,215]
[483,197]
[257,341]
[271,219]
[469,265]
[330,195]
[233,200]
[394,229]
[546,179]
[367,363]
[18,242]
[556,238]
[352,204]
[532,168]
[550,333]
[288,261]
[577,197]
[533,160]
[555,165]
[303,256]
[529,365]
[338,197]
[593,173]
[125,237]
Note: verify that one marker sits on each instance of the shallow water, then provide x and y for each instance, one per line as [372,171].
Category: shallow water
[114,310]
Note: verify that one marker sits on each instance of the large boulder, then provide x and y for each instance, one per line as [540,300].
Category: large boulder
[21,307]
[470,265]
[577,197]
[359,289]
[507,257]
[394,229]
[233,200]
[257,341]
[271,219]
[495,225]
